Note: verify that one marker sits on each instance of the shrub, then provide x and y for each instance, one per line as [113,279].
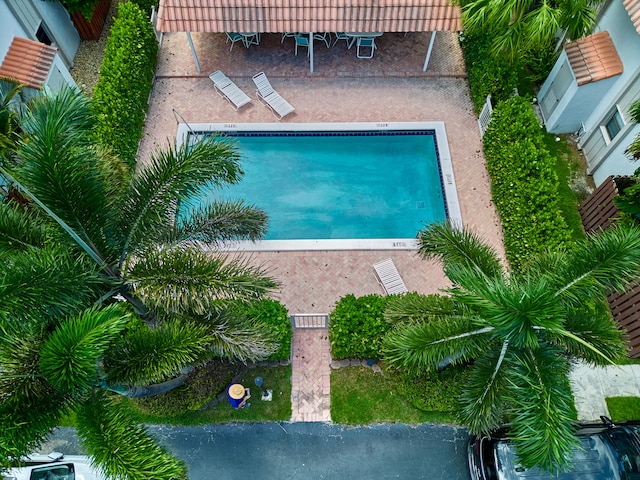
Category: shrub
[488,74]
[357,327]
[430,391]
[523,182]
[203,384]
[273,314]
[145,5]
[126,77]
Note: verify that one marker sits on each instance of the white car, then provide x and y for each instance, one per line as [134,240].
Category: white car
[54,466]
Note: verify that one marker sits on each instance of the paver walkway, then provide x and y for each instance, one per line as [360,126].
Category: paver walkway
[310,372]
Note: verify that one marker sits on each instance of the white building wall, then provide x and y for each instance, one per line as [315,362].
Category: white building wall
[617,163]
[626,39]
[9,28]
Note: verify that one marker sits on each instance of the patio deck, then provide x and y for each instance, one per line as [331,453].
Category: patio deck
[391,87]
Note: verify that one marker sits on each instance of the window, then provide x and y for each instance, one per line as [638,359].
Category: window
[43,36]
[614,125]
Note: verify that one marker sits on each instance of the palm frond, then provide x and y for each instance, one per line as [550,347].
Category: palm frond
[20,229]
[190,280]
[457,247]
[482,402]
[427,345]
[606,261]
[43,285]
[172,175]
[20,376]
[594,326]
[71,353]
[579,17]
[222,220]
[543,409]
[415,307]
[237,337]
[25,423]
[541,25]
[119,446]
[59,166]
[152,355]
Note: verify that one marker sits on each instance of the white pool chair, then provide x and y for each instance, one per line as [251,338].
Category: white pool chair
[228,90]
[389,278]
[270,98]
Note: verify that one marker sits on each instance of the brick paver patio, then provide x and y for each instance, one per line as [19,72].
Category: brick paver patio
[390,87]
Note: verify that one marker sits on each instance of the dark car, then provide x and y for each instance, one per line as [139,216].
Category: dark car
[607,452]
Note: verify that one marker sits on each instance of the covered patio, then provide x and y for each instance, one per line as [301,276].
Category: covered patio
[364,18]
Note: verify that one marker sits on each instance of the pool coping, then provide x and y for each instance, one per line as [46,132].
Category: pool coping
[454,213]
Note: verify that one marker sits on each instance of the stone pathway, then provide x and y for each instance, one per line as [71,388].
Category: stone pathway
[310,375]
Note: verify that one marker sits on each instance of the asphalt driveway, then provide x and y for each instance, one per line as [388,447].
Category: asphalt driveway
[310,451]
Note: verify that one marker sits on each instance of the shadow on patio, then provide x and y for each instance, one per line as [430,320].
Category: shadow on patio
[396,55]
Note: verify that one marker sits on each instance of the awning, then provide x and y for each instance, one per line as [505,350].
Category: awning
[593,58]
[633,7]
[277,16]
[274,16]
[28,61]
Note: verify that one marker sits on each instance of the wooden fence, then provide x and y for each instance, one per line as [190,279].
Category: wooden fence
[598,212]
[91,30]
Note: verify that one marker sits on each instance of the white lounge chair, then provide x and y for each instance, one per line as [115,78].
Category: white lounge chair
[272,99]
[389,278]
[229,90]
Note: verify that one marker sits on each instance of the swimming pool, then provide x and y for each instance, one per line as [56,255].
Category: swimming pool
[341,185]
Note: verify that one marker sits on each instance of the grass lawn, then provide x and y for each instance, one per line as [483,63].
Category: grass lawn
[360,396]
[277,379]
[623,408]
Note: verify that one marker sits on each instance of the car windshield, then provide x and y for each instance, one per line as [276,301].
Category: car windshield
[627,449]
[53,472]
[594,460]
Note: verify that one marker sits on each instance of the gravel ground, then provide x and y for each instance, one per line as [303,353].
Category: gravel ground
[86,69]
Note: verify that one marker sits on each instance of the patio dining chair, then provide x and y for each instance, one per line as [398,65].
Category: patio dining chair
[302,41]
[343,36]
[288,34]
[324,37]
[234,37]
[363,44]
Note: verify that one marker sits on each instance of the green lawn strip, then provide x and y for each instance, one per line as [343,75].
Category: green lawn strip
[360,396]
[277,379]
[623,408]
[568,200]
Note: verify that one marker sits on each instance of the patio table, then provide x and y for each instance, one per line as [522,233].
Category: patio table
[355,35]
[250,38]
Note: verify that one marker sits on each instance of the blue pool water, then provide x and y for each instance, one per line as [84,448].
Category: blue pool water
[355,185]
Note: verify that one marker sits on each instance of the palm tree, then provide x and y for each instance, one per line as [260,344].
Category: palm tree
[518,331]
[522,26]
[101,234]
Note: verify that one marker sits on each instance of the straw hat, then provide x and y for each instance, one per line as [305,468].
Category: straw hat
[236,391]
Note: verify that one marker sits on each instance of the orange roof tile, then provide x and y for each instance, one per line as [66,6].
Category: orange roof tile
[593,58]
[28,62]
[273,16]
[633,7]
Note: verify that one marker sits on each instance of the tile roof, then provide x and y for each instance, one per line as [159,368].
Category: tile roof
[593,58]
[272,16]
[633,7]
[28,61]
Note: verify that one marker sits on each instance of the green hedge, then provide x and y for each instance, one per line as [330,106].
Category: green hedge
[126,77]
[276,316]
[523,182]
[357,327]
[487,74]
